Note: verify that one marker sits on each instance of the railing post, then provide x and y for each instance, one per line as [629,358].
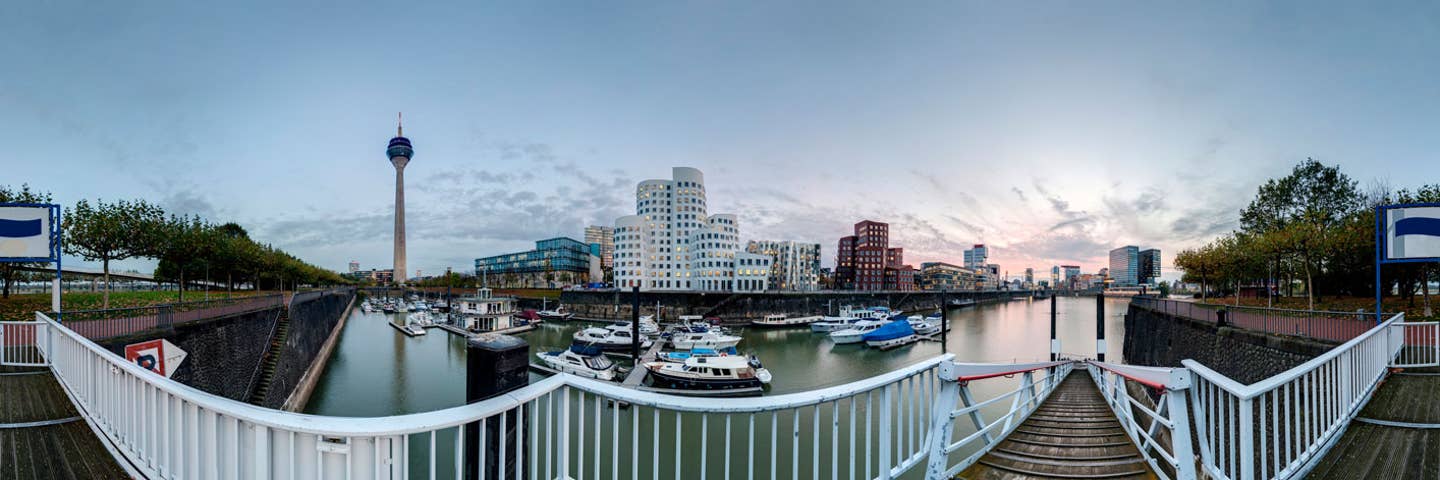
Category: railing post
[1180,446]
[1247,439]
[885,438]
[940,422]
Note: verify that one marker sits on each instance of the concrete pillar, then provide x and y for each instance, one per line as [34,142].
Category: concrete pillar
[944,325]
[1054,341]
[635,324]
[494,365]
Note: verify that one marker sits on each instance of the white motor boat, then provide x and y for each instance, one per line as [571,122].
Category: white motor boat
[559,313]
[832,324]
[856,333]
[692,340]
[707,373]
[781,320]
[646,329]
[582,360]
[877,313]
[609,340]
[924,327]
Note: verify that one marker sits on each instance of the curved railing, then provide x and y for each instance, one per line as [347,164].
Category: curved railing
[169,430]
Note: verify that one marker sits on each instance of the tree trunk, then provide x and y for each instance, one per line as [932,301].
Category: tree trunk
[1309,286]
[229,284]
[1425,287]
[105,304]
[181,285]
[8,272]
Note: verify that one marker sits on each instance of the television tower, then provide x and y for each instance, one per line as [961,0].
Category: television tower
[399,152]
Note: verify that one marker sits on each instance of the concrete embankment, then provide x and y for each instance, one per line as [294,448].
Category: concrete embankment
[1159,339]
[743,307]
[315,325]
[222,352]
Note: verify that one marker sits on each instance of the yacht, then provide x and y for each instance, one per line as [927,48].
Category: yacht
[646,328]
[691,341]
[407,329]
[781,320]
[609,340]
[707,373]
[856,333]
[559,313]
[877,313]
[891,335]
[582,360]
[681,357]
[924,326]
[831,324]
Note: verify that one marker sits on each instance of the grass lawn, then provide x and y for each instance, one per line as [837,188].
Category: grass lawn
[23,307]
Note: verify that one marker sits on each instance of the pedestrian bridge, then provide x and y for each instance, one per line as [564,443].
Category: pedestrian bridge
[1069,418]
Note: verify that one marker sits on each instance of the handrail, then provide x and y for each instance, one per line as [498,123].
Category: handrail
[980,371]
[1154,377]
[417,422]
[1262,386]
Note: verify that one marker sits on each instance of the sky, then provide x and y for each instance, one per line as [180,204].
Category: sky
[1050,131]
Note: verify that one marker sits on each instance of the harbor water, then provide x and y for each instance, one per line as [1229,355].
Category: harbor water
[377,371]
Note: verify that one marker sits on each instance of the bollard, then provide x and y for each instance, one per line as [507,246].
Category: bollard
[1054,344]
[1220,317]
[944,325]
[635,326]
[494,365]
[1100,327]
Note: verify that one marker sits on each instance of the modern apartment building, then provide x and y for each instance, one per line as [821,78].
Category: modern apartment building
[604,237]
[976,256]
[945,276]
[673,242]
[865,260]
[794,266]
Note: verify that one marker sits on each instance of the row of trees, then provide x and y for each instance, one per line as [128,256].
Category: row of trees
[1313,229]
[188,248]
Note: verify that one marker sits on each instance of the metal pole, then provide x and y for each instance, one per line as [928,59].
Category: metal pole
[635,324]
[1100,327]
[1054,344]
[944,330]
[1379,245]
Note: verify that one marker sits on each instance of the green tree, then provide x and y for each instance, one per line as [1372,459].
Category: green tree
[114,231]
[10,272]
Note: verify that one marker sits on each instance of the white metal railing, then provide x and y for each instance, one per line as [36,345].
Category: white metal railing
[23,344]
[1419,344]
[955,387]
[1172,445]
[1278,427]
[559,427]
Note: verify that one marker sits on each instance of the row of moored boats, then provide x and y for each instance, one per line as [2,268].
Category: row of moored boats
[704,356]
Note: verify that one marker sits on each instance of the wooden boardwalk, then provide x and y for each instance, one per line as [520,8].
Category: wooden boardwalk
[42,435]
[1072,435]
[1396,435]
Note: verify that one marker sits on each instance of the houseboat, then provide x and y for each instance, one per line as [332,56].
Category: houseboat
[483,312]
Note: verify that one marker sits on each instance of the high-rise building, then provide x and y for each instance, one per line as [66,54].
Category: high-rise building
[865,261]
[1029,276]
[975,257]
[794,266]
[1124,266]
[605,237]
[1149,271]
[673,243]
[400,152]
[1071,273]
[354,266]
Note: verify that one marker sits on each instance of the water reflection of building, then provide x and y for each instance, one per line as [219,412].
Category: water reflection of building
[484,312]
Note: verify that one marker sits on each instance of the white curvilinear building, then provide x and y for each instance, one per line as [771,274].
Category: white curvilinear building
[672,243]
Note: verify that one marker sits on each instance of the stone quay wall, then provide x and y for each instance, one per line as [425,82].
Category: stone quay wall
[223,353]
[743,307]
[313,320]
[1162,340]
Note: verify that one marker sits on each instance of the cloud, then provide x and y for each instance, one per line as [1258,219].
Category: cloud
[1019,193]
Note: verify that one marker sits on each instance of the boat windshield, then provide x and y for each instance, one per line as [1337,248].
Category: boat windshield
[598,363]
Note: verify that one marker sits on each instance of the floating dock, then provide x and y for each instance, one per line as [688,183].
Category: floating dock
[637,374]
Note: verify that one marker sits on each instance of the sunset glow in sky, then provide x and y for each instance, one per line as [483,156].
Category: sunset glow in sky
[1051,132]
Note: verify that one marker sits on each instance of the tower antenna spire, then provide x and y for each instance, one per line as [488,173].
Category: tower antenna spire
[399,124]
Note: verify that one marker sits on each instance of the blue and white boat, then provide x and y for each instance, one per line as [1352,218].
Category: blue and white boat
[891,335]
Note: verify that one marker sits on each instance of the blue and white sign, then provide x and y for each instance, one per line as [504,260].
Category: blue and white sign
[25,232]
[1412,233]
